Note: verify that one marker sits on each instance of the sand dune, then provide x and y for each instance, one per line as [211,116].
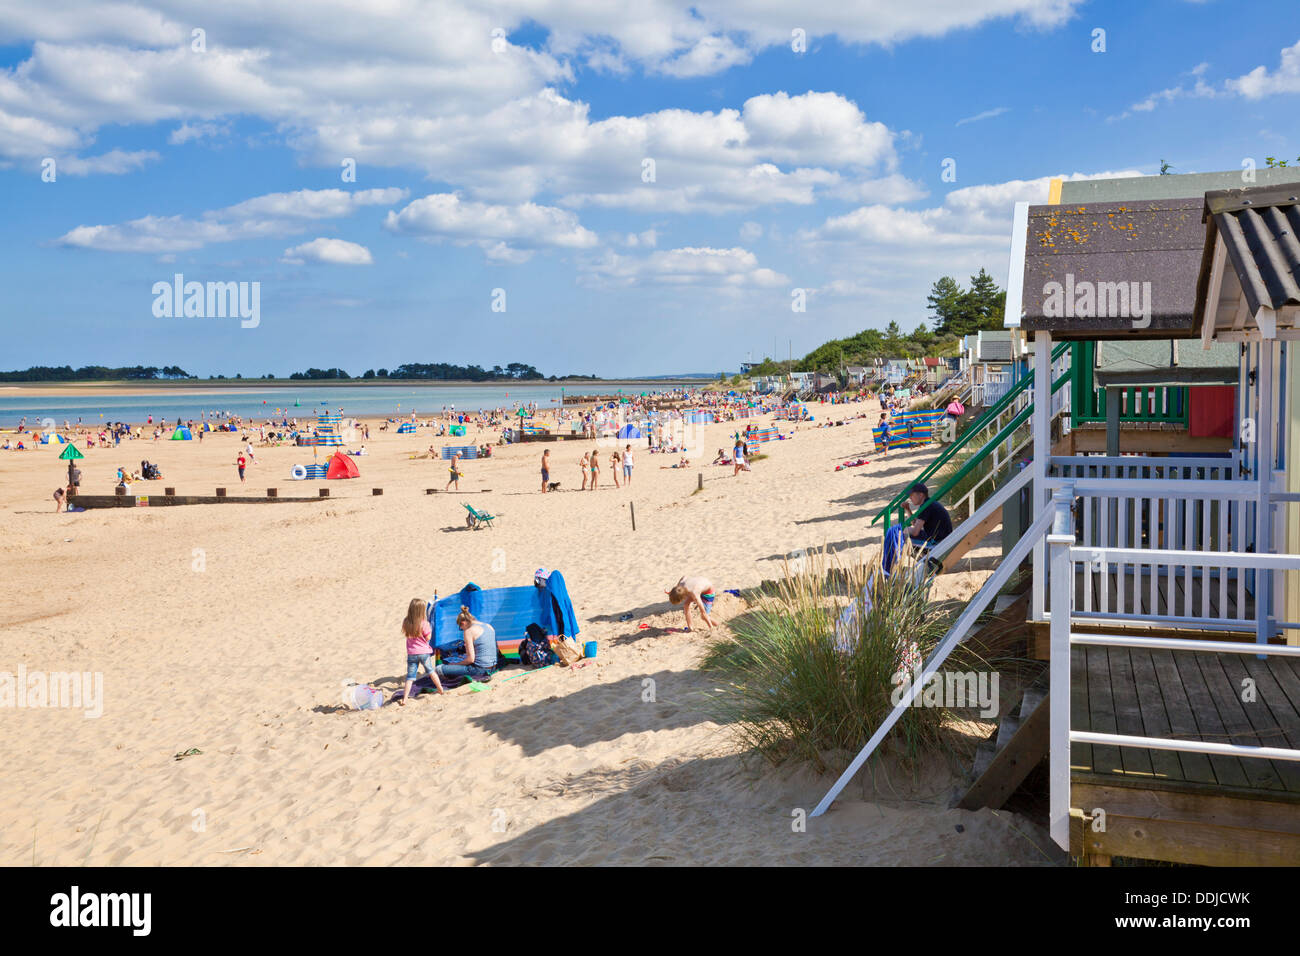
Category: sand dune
[230,629]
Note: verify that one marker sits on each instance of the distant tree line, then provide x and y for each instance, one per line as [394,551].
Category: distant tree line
[440,371]
[93,373]
[956,312]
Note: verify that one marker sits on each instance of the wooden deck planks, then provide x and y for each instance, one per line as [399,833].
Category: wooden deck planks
[1155,719]
[1101,710]
[1128,713]
[1080,754]
[1275,723]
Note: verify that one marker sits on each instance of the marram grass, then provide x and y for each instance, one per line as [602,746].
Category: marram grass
[786,689]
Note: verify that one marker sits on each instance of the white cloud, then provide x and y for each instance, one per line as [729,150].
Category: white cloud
[506,233]
[338,252]
[268,216]
[974,216]
[749,231]
[987,114]
[114,163]
[188,132]
[711,54]
[420,86]
[1259,82]
[733,268]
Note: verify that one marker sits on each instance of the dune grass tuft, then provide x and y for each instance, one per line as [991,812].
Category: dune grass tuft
[790,692]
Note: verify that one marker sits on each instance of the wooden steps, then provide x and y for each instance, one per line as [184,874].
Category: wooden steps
[1004,761]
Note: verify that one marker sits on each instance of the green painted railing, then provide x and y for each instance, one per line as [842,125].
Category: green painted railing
[977,459]
[1154,404]
[990,416]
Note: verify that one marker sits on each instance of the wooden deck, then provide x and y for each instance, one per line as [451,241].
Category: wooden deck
[1186,807]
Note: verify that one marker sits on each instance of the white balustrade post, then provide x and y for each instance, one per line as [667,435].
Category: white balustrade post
[1042,424]
[1059,542]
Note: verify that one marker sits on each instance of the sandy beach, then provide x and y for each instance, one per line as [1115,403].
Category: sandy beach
[230,629]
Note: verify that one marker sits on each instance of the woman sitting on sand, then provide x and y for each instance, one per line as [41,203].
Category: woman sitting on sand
[480,657]
[722,458]
[696,590]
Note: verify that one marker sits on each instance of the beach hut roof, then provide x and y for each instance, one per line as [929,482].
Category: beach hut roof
[1080,256]
[1253,231]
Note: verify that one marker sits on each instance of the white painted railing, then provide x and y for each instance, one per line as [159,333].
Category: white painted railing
[1065,557]
[1150,541]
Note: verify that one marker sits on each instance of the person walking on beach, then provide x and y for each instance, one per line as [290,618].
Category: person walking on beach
[627,465]
[584,466]
[595,468]
[455,473]
[546,469]
[419,653]
[738,457]
[693,589]
[241,463]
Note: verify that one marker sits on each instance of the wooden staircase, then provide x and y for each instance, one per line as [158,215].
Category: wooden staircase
[1020,744]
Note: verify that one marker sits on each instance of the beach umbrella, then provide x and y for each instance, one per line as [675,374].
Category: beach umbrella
[70,453]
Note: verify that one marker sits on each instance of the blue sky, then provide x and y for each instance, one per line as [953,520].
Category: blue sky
[516,161]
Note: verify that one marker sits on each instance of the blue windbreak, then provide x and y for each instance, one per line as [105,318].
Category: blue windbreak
[508,610]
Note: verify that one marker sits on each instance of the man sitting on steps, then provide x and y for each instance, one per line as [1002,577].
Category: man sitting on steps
[931,525]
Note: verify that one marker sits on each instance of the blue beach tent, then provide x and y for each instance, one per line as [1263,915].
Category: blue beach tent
[629,431]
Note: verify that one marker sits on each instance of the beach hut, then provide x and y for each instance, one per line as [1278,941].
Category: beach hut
[406,428]
[182,434]
[629,431]
[508,610]
[342,466]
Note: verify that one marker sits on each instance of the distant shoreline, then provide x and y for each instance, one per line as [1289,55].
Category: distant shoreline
[127,386]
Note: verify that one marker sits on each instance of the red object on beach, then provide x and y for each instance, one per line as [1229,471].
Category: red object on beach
[342,466]
[956,408]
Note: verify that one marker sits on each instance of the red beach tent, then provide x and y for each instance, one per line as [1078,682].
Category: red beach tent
[342,466]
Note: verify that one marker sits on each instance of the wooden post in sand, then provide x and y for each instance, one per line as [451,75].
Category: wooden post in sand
[376,491]
[701,482]
[632,508]
[169,491]
[221,492]
[271,492]
[323,492]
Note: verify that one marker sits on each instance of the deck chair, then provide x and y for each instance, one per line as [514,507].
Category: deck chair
[478,519]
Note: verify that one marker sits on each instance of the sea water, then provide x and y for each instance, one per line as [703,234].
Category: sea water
[254,403]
